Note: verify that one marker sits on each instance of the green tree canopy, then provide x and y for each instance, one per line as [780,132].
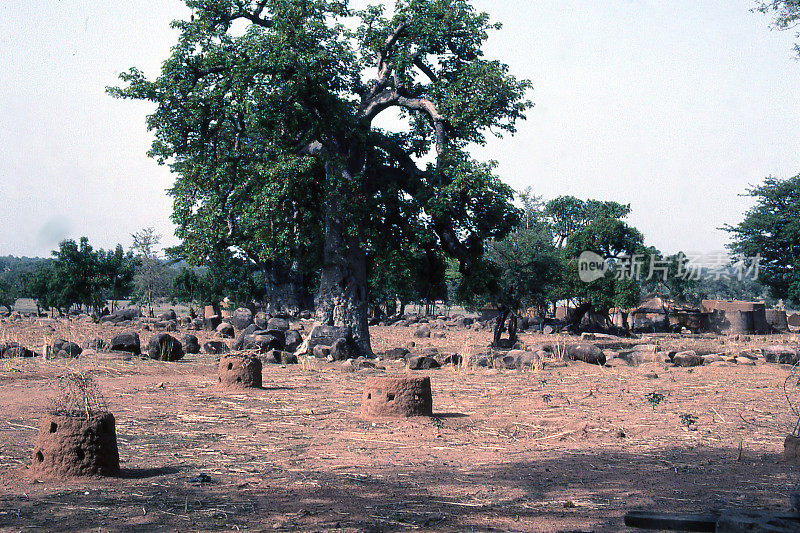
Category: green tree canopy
[771,231]
[271,134]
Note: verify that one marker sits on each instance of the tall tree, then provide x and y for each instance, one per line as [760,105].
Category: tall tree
[771,231]
[293,100]
[151,279]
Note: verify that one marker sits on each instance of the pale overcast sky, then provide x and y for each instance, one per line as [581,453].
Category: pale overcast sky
[673,107]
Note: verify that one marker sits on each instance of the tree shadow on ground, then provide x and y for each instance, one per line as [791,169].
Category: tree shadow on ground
[569,491]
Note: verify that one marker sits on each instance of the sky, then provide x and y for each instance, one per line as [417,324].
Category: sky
[673,107]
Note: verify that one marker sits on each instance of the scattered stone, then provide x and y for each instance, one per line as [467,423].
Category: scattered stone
[63,348]
[688,358]
[190,343]
[126,342]
[168,316]
[780,354]
[396,397]
[395,353]
[216,348]
[225,331]
[588,353]
[548,330]
[241,318]
[292,340]
[279,357]
[422,362]
[164,347]
[423,331]
[712,358]
[17,351]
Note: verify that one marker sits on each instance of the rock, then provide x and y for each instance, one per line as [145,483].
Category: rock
[712,358]
[216,348]
[70,349]
[127,342]
[780,354]
[688,358]
[279,357]
[260,340]
[122,315]
[292,340]
[422,362]
[260,320]
[439,335]
[548,330]
[241,318]
[395,353]
[638,358]
[164,347]
[190,343]
[352,365]
[96,344]
[423,331]
[278,323]
[464,321]
[327,335]
[170,325]
[588,353]
[449,359]
[17,351]
[747,354]
[225,330]
[340,350]
[198,324]
[168,315]
[321,352]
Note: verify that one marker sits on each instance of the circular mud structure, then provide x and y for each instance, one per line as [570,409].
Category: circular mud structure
[239,373]
[386,397]
[71,446]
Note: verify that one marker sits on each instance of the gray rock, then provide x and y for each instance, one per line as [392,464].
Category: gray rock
[216,348]
[241,318]
[327,335]
[225,330]
[260,320]
[70,349]
[588,353]
[190,343]
[780,354]
[321,352]
[127,342]
[688,358]
[292,340]
[422,362]
[164,347]
[168,315]
[395,353]
[278,323]
[422,332]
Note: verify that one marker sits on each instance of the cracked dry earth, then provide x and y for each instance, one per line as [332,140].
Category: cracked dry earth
[564,448]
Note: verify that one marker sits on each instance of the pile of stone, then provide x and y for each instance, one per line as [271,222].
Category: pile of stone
[334,343]
[122,317]
[649,353]
[270,338]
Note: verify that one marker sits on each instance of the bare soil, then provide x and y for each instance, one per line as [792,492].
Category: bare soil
[570,447]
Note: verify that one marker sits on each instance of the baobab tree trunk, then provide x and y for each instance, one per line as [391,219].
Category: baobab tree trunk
[343,293]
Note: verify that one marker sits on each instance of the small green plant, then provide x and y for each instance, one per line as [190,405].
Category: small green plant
[654,398]
[437,422]
[546,398]
[688,420]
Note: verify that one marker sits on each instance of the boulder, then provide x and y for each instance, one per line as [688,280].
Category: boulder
[321,352]
[260,320]
[327,335]
[688,358]
[241,318]
[212,322]
[780,354]
[588,353]
[190,343]
[422,332]
[216,348]
[395,353]
[166,325]
[164,347]
[278,323]
[127,342]
[279,357]
[340,350]
[261,341]
[292,340]
[17,351]
[70,349]
[168,315]
[225,331]
[422,362]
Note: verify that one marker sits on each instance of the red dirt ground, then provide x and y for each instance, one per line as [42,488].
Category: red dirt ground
[565,448]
